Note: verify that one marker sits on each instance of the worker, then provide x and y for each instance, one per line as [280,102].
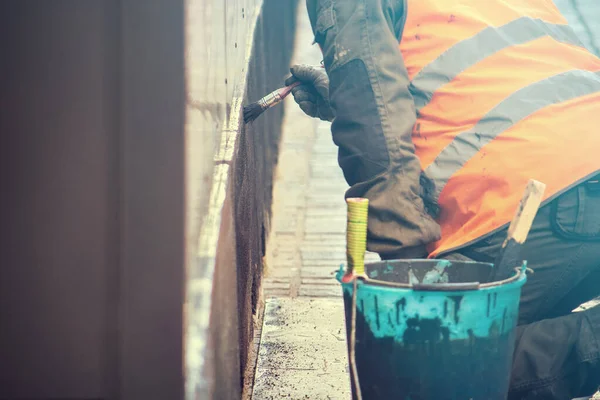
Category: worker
[442,111]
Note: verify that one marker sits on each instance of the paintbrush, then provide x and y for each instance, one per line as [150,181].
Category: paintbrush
[254,110]
[510,252]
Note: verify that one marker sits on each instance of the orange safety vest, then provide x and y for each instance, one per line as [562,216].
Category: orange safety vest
[505,92]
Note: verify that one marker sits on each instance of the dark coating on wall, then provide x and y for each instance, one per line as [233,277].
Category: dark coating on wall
[256,158]
[243,216]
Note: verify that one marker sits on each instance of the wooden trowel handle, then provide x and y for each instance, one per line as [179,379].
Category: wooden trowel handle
[528,208]
[519,229]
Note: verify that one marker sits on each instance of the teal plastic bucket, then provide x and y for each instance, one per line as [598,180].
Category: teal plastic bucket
[431,329]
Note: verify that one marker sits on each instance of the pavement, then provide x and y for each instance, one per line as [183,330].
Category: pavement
[300,348]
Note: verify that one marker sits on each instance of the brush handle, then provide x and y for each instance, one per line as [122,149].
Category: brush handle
[277,96]
[284,91]
[287,89]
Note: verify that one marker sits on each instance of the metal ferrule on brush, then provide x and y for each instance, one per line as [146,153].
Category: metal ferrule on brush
[270,100]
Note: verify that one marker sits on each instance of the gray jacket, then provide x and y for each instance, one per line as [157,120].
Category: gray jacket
[375,115]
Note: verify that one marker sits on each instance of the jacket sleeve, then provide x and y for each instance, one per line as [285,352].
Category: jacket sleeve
[375,115]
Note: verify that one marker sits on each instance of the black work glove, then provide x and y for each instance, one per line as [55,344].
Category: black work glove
[312,95]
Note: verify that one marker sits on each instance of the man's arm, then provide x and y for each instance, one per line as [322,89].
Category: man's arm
[374,117]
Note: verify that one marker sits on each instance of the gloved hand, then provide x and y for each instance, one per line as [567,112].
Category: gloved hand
[312,95]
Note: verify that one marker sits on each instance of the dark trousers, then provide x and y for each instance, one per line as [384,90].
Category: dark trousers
[557,353]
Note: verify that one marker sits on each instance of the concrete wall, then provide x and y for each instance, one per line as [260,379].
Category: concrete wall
[229,66]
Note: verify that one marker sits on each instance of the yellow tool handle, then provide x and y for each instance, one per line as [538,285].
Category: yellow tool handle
[356,234]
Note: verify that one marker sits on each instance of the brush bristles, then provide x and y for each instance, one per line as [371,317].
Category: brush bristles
[252,111]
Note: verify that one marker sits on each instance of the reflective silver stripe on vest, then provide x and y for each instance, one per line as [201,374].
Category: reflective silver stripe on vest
[487,42]
[521,104]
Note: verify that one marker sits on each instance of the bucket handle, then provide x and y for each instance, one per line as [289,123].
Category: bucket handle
[353,343]
[458,286]
[446,287]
